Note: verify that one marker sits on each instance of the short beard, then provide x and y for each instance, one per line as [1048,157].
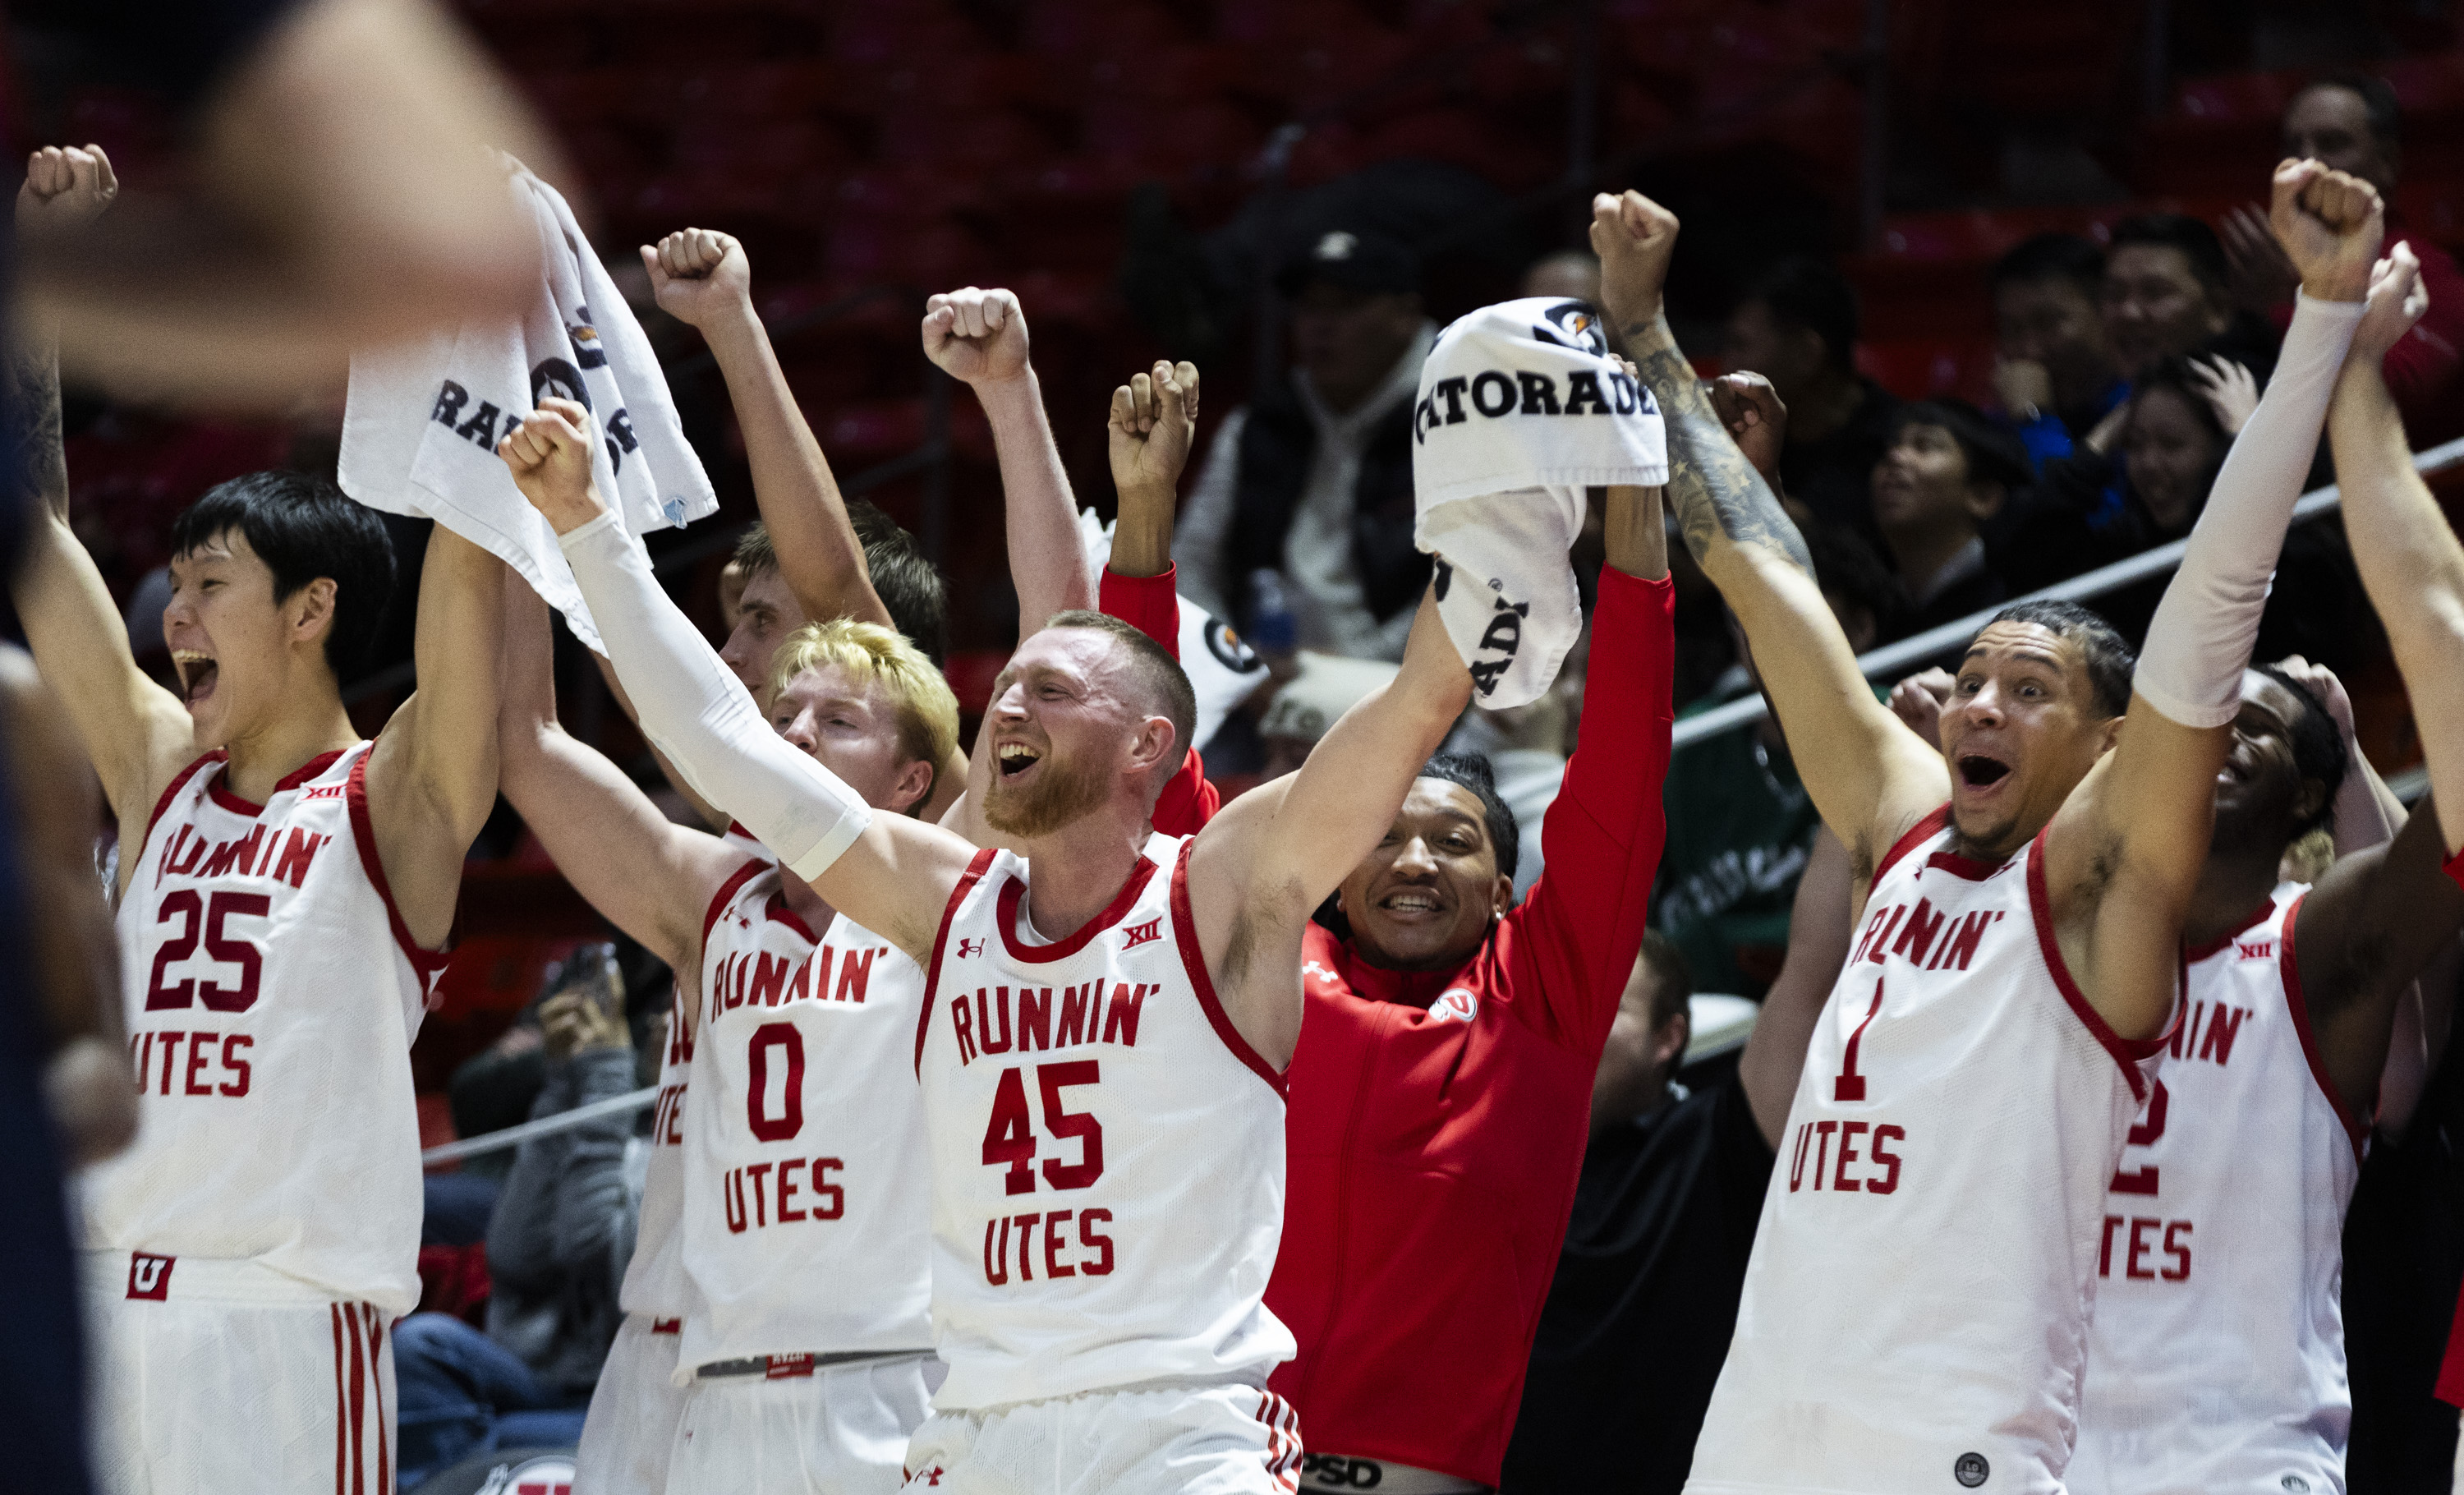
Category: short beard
[1065,794]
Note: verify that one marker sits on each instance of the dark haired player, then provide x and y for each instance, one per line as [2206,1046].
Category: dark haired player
[285,889]
[1918,1303]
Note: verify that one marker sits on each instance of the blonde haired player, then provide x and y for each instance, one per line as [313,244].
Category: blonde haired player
[1106,1151]
[284,891]
[803,1148]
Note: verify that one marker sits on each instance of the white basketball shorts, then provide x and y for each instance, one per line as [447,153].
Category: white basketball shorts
[633,1413]
[1190,1440]
[836,1430]
[212,1377]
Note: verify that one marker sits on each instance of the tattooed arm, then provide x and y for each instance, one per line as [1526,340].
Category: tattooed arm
[1873,778]
[136,733]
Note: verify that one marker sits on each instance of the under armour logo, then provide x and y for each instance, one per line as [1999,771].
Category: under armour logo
[1313,967]
[149,1277]
[1144,933]
[931,1476]
[968,948]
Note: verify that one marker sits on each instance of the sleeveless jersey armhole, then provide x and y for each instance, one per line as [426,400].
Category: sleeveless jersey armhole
[171,790]
[2290,968]
[2126,1052]
[976,866]
[1915,835]
[1193,960]
[426,964]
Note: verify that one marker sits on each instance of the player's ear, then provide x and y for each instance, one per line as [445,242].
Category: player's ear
[913,786]
[1502,895]
[311,611]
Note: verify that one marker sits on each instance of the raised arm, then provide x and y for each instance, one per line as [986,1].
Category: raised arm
[136,733]
[1871,781]
[432,775]
[650,877]
[703,278]
[1817,946]
[1262,866]
[2411,562]
[979,338]
[2124,852]
[891,873]
[2364,932]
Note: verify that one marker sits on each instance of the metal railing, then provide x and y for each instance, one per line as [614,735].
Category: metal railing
[1889,661]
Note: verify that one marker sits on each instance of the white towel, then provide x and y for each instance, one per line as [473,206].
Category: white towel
[1222,670]
[1521,410]
[421,426]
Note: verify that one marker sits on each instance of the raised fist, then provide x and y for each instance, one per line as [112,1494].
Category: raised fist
[550,455]
[1153,418]
[66,188]
[976,336]
[2331,224]
[1634,237]
[698,275]
[1918,701]
[1757,422]
[2397,297]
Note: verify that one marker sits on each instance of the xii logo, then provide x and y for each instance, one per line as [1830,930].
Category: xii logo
[1144,933]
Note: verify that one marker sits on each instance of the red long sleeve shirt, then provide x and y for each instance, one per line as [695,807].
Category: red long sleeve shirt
[1435,1122]
[1152,605]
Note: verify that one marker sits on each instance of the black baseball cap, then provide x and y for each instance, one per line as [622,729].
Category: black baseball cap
[1355,260]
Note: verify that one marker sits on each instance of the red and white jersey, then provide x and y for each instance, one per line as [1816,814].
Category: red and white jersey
[271,992]
[656,1285]
[807,1188]
[1915,1314]
[1108,1151]
[2217,1359]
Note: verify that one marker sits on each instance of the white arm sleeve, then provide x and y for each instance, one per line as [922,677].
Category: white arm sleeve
[2202,635]
[694,710]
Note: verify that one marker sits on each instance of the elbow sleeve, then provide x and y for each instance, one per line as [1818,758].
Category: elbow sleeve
[694,710]
[2201,636]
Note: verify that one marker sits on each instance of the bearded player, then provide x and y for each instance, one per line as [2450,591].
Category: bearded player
[1107,1018]
[1918,1301]
[285,890]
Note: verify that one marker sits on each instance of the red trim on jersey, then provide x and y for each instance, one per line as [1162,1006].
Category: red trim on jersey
[172,788]
[425,965]
[719,900]
[1015,890]
[777,910]
[976,866]
[2290,967]
[2126,1052]
[2453,866]
[290,781]
[1194,960]
[376,1383]
[1918,835]
[2259,916]
[358,1402]
[341,1402]
[1965,868]
[736,827]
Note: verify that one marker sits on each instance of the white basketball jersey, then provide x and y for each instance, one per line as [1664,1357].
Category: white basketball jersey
[807,1189]
[271,992]
[2217,1359]
[1915,1314]
[1108,1152]
[655,1286]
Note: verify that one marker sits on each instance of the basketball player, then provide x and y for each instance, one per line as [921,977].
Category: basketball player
[284,891]
[1917,1304]
[1103,1223]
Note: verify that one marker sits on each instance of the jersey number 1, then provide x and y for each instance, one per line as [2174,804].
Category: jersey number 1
[1848,1085]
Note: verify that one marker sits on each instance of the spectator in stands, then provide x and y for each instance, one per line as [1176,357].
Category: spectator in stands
[1948,473]
[2167,296]
[2351,121]
[1739,821]
[557,1250]
[1571,273]
[2055,368]
[1796,326]
[1644,1300]
[1313,479]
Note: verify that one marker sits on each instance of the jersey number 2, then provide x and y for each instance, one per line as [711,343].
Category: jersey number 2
[1009,1138]
[198,917]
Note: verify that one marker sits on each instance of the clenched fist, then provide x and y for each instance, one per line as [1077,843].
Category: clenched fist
[66,188]
[699,275]
[550,455]
[1634,237]
[1153,416]
[978,337]
[2331,224]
